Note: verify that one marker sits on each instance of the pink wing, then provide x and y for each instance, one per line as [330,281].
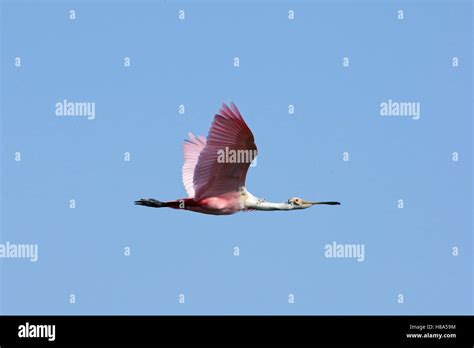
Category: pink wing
[192,148]
[210,177]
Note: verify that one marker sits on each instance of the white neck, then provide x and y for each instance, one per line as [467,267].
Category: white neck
[252,202]
[273,206]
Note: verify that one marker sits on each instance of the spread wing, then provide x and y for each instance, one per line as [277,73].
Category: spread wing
[191,148]
[209,164]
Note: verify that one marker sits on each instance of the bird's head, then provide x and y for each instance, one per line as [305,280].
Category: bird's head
[298,203]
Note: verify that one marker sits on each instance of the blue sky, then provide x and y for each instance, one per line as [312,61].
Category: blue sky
[408,251]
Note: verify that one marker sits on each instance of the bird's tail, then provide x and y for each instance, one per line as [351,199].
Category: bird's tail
[150,202]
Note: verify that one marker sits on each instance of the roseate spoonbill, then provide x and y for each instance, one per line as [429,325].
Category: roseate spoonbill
[215,169]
